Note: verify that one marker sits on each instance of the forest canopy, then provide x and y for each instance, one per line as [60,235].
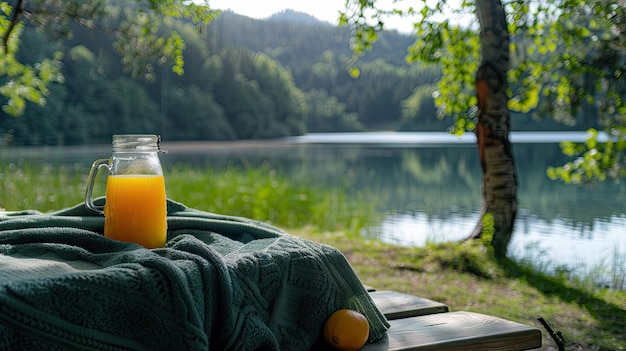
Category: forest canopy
[243,79]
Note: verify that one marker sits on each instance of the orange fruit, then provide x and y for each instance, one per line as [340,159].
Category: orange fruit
[346,330]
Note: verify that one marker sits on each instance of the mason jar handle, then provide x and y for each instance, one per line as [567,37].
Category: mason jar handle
[91,179]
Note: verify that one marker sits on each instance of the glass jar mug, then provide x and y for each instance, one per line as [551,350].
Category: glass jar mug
[135,208]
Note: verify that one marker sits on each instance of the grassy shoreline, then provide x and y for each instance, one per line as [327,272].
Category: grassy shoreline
[462,276]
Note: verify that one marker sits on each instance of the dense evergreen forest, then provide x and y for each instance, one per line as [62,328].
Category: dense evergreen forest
[244,79]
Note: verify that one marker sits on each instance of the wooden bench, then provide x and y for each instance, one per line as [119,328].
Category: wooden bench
[395,305]
[422,324]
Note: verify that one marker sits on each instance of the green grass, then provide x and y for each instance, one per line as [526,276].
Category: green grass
[41,187]
[253,192]
[263,194]
[465,277]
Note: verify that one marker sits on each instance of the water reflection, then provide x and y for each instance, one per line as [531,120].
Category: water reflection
[558,224]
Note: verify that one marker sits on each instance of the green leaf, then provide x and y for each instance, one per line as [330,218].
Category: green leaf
[355,72]
[583,32]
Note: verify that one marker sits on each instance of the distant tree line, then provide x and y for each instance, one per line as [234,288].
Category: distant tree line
[244,79]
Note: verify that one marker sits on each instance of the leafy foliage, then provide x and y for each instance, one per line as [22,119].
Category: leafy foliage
[24,82]
[595,160]
[297,74]
[582,75]
[439,42]
[134,27]
[568,62]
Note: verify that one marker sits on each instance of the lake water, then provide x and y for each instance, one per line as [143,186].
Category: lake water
[435,178]
[429,184]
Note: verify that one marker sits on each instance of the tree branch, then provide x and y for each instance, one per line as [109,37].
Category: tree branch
[19,8]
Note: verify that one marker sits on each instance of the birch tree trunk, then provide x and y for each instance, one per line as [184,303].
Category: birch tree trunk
[499,186]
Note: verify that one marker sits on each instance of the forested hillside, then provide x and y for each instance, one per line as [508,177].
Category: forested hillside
[244,79]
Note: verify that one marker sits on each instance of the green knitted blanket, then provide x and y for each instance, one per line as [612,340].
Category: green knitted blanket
[221,283]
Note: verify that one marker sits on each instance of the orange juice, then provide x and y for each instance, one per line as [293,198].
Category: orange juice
[136,209]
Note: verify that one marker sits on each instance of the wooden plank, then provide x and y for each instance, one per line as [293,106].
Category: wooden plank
[395,305]
[369,288]
[455,331]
